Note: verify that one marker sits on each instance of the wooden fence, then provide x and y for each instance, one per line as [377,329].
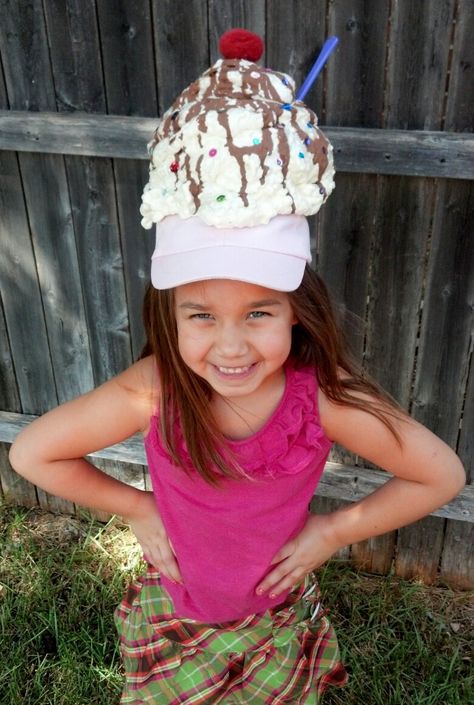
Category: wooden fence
[80,88]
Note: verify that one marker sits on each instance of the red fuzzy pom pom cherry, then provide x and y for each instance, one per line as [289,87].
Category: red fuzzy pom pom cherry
[241,44]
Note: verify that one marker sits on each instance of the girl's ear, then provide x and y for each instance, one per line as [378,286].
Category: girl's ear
[294,320]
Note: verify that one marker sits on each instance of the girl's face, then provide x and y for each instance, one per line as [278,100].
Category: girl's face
[236,336]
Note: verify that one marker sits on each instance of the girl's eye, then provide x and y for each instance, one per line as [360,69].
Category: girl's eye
[258,314]
[201,316]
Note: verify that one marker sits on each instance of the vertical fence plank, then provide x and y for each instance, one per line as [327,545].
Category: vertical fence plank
[421,34]
[182,47]
[460,99]
[127,57]
[356,73]
[131,89]
[21,295]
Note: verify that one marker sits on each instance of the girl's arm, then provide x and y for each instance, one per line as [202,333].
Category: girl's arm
[427,474]
[50,453]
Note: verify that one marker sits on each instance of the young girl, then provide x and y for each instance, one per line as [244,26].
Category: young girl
[243,387]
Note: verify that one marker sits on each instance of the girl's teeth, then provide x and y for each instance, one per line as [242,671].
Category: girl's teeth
[233,370]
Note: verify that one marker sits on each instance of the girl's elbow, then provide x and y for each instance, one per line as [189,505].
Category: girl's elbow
[457,477]
[18,456]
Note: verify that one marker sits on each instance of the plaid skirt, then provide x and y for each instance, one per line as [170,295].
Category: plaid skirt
[289,654]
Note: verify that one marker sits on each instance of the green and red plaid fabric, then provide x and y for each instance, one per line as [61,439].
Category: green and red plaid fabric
[286,655]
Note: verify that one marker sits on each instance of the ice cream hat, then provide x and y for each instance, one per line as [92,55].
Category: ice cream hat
[237,162]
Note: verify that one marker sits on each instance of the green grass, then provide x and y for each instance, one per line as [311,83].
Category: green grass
[60,579]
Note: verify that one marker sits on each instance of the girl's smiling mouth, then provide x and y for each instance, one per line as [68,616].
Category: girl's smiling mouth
[235,371]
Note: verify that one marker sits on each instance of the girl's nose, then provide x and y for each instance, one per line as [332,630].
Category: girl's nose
[230,342]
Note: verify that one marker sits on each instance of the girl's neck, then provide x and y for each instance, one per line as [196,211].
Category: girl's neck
[242,417]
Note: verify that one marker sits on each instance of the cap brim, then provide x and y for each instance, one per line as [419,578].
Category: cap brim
[271,270]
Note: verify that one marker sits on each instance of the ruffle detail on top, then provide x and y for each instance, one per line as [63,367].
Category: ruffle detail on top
[292,438]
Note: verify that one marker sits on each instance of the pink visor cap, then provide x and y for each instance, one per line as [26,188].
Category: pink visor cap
[272,255]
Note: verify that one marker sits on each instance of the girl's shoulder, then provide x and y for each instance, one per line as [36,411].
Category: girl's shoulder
[141,384]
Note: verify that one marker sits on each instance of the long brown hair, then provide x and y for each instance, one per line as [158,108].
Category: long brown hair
[317,341]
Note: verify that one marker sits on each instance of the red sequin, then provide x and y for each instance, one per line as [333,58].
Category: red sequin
[174,167]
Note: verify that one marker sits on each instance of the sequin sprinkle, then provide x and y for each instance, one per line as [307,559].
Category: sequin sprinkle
[220,198]
[301,155]
[279,162]
[285,81]
[286,106]
[310,125]
[256,140]
[174,167]
[175,115]
[307,141]
[212,152]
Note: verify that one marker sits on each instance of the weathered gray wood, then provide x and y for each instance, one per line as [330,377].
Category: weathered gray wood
[460,94]
[354,93]
[294,36]
[21,295]
[457,562]
[137,244]
[130,85]
[396,278]
[50,218]
[419,549]
[181,46]
[341,482]
[227,14]
[343,257]
[356,150]
[25,56]
[126,29]
[100,261]
[419,47]
[466,436]
[75,57]
[9,396]
[375,555]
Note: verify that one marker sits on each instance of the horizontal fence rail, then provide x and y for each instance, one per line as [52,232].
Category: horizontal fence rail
[338,481]
[356,150]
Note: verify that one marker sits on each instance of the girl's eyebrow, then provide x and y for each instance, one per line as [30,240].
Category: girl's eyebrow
[254,304]
[265,302]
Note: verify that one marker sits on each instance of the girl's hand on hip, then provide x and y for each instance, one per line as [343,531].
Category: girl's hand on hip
[307,551]
[152,537]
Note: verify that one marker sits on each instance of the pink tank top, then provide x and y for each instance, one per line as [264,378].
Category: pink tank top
[225,537]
